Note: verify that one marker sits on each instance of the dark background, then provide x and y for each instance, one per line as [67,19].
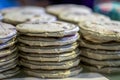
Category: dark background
[44,3]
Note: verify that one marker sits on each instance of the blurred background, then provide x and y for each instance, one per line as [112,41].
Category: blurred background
[110,8]
[11,3]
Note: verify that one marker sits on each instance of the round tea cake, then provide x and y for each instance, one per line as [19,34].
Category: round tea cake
[50,49]
[42,41]
[79,17]
[100,54]
[100,32]
[30,9]
[50,65]
[107,70]
[8,44]
[100,63]
[50,57]
[54,73]
[7,51]
[48,29]
[23,17]
[9,73]
[58,9]
[101,46]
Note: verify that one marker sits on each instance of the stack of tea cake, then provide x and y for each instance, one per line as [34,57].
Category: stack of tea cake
[49,49]
[8,51]
[101,46]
